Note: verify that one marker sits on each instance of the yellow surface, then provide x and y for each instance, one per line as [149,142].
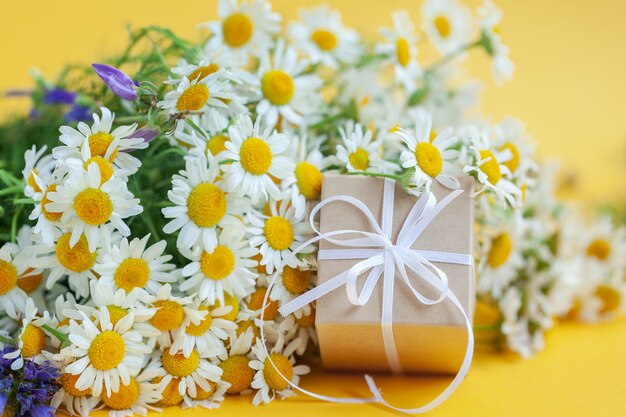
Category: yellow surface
[569,87]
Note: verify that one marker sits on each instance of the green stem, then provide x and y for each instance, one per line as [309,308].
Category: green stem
[65,341]
[131,119]
[8,341]
[16,216]
[19,201]
[486,327]
[12,190]
[452,55]
[376,174]
[328,120]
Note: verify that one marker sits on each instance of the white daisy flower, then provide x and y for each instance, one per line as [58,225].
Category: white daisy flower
[75,401]
[207,143]
[488,168]
[13,264]
[447,24]
[285,90]
[36,164]
[192,372]
[245,29]
[31,339]
[48,225]
[323,38]
[273,374]
[290,283]
[88,206]
[360,150]
[131,265]
[207,399]
[296,333]
[109,149]
[510,135]
[218,61]
[228,267]
[401,48]
[277,235]
[30,281]
[202,204]
[207,334]
[490,18]
[430,154]
[235,364]
[104,355]
[258,159]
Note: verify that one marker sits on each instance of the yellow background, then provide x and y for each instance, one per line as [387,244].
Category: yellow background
[569,88]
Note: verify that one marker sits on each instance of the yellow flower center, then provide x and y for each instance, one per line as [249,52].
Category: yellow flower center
[491,168]
[169,315]
[68,382]
[307,320]
[272,377]
[29,283]
[132,273]
[201,394]
[217,144]
[309,180]
[219,264]
[237,29]
[206,204]
[600,248]
[237,373]
[277,87]
[442,24]
[8,277]
[124,398]
[76,259]
[403,51]
[243,326]
[193,98]
[500,250]
[359,159]
[116,313]
[179,365]
[170,395]
[255,156]
[93,206]
[107,350]
[51,216]
[33,341]
[31,181]
[610,298]
[106,169]
[231,301]
[256,302]
[278,232]
[203,72]
[295,280]
[428,159]
[203,327]
[99,144]
[324,39]
[512,163]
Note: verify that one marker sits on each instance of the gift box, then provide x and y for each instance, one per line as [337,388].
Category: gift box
[428,338]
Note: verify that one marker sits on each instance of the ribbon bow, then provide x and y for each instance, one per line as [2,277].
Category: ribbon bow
[382,257]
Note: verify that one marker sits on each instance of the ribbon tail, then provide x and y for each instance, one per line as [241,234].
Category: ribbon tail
[315,293]
[386,320]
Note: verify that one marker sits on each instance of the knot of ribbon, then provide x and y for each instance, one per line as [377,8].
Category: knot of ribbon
[380,258]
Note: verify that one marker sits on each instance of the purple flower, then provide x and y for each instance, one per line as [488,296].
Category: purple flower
[120,83]
[147,133]
[77,113]
[59,96]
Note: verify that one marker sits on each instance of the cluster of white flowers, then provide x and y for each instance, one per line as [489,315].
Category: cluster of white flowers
[259,117]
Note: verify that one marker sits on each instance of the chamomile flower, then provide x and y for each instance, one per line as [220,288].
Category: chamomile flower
[488,168]
[401,48]
[258,159]
[227,267]
[296,333]
[207,399]
[430,153]
[193,371]
[104,355]
[235,364]
[323,38]
[36,164]
[48,225]
[490,17]
[244,29]
[103,146]
[286,91]
[88,206]
[202,204]
[208,143]
[447,24]
[136,397]
[360,150]
[510,135]
[217,61]
[75,401]
[130,265]
[13,264]
[290,283]
[208,95]
[207,334]
[31,339]
[277,235]
[273,374]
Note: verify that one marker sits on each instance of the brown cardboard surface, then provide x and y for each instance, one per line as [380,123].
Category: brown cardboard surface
[429,339]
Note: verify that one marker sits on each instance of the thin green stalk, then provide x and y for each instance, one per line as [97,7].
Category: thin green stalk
[8,341]
[12,190]
[65,341]
[376,174]
[131,119]
[452,55]
[16,216]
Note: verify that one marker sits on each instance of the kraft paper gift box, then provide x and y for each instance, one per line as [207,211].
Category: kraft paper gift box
[429,338]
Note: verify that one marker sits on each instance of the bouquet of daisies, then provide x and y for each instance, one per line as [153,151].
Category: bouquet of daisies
[167,188]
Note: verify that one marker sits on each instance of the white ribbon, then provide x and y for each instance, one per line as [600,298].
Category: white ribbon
[381,257]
